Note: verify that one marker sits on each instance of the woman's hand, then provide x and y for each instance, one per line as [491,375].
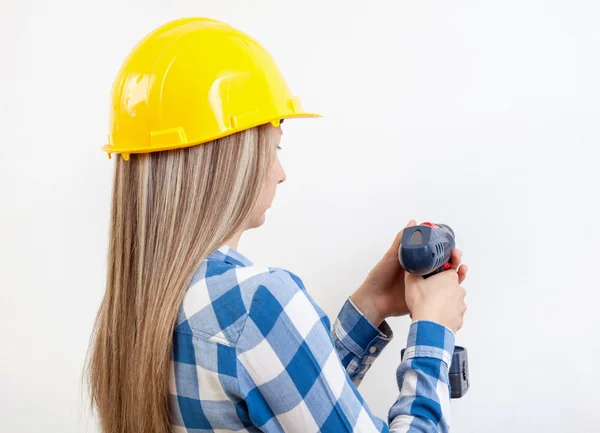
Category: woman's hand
[382,294]
[439,299]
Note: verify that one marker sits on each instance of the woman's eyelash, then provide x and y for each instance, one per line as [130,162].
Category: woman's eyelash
[279,147]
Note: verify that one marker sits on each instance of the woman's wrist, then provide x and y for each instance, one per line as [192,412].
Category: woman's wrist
[367,306]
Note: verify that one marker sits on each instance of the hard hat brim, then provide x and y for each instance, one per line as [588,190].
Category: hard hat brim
[126,151]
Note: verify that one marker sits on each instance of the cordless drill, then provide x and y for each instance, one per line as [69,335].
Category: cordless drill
[425,250]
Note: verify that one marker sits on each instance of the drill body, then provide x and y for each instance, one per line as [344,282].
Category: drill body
[425,250]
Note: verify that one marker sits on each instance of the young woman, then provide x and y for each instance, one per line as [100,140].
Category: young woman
[191,335]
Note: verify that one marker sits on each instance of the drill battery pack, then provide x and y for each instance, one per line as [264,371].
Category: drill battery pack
[459,373]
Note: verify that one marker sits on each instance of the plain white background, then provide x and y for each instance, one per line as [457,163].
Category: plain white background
[481,115]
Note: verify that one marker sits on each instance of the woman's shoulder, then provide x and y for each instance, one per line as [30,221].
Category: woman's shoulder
[286,278]
[221,295]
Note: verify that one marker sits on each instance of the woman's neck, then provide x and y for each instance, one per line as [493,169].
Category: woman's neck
[233,241]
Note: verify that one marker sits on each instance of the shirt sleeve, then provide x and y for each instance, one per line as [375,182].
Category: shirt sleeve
[357,341]
[291,378]
[424,401]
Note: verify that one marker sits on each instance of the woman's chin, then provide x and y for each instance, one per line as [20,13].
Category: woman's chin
[263,217]
[259,221]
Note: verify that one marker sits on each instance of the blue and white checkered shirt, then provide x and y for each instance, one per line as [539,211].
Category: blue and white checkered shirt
[253,352]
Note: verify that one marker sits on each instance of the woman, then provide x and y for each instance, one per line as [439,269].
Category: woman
[191,336]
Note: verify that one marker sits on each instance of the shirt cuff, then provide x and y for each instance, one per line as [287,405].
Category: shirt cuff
[359,335]
[430,340]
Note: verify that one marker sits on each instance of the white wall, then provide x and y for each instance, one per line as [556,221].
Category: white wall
[482,115]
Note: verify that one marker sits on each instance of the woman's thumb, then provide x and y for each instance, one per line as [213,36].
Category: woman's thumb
[410,278]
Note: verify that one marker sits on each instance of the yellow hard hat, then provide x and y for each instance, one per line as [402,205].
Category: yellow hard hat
[191,81]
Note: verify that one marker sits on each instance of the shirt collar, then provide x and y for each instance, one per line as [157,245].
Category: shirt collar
[229,255]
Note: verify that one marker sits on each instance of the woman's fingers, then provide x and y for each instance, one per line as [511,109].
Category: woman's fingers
[455,259]
[456,264]
[398,240]
[462,273]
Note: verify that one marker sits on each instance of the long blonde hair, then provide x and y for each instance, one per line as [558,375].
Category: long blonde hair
[170,210]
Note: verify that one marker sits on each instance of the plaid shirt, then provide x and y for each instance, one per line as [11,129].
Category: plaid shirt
[253,352]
